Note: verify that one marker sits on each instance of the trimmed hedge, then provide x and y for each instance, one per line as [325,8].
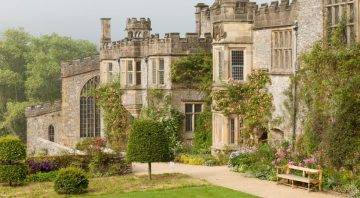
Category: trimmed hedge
[148,142]
[12,156]
[11,149]
[13,174]
[71,180]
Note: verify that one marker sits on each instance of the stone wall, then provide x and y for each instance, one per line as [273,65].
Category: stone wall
[71,91]
[38,127]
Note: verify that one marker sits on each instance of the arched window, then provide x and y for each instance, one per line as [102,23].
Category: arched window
[89,111]
[51,133]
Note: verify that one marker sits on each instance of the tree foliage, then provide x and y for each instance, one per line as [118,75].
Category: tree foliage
[147,143]
[159,108]
[30,72]
[250,101]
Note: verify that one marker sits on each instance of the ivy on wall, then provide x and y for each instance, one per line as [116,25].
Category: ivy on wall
[116,117]
[251,101]
[329,84]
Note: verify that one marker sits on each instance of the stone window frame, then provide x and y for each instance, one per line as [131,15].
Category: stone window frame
[282,44]
[234,130]
[138,78]
[154,71]
[334,11]
[51,133]
[110,70]
[161,71]
[190,115]
[232,66]
[130,72]
[89,110]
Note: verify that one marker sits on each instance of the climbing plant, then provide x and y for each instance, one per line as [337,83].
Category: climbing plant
[250,101]
[329,85]
[159,108]
[116,118]
[194,71]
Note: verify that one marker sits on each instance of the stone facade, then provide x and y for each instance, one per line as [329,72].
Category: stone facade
[242,36]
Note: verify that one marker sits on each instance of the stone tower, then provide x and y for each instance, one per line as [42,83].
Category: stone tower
[106,30]
[138,29]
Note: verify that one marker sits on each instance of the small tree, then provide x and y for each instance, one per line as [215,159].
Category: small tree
[12,156]
[148,143]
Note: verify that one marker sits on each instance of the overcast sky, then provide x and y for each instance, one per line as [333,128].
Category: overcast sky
[80,18]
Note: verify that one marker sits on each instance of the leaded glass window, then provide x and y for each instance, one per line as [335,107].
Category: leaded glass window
[281,49]
[192,112]
[161,71]
[89,111]
[237,65]
[338,9]
[138,73]
[130,72]
[51,133]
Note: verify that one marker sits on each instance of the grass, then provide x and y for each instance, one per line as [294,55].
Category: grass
[128,186]
[193,192]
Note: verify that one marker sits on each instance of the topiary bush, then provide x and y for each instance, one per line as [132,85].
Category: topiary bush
[13,174]
[11,149]
[12,156]
[148,143]
[71,180]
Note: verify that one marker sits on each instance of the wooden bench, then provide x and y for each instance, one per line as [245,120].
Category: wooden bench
[306,175]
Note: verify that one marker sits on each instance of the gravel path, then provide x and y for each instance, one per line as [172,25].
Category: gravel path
[222,176]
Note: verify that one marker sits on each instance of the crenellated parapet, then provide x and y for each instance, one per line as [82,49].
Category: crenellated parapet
[276,14]
[233,10]
[80,66]
[171,44]
[42,109]
[138,28]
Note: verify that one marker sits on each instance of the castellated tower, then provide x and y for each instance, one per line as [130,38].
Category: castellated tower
[106,30]
[138,28]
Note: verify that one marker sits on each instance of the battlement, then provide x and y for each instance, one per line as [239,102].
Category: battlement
[138,28]
[142,23]
[233,10]
[265,15]
[42,109]
[275,14]
[80,66]
[170,44]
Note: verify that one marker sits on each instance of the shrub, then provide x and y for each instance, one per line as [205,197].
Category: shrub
[71,181]
[202,159]
[147,143]
[12,154]
[13,174]
[53,163]
[42,177]
[11,149]
[108,165]
[258,163]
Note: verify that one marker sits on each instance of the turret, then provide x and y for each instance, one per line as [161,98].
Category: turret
[106,30]
[138,28]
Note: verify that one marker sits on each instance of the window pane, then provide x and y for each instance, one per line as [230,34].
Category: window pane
[110,67]
[154,71]
[198,108]
[189,108]
[130,65]
[188,120]
[232,131]
[237,68]
[161,64]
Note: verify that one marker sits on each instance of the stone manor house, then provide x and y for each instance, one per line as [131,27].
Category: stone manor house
[242,36]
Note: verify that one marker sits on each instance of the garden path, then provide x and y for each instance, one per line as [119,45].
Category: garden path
[222,176]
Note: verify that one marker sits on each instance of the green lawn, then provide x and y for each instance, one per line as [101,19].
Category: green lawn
[193,192]
[166,185]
